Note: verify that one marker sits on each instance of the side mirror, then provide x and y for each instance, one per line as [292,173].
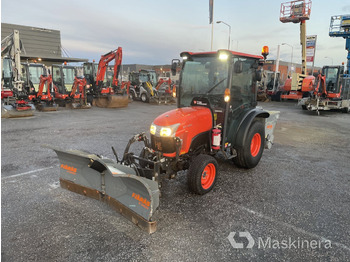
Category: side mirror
[258,75]
[238,67]
[174,65]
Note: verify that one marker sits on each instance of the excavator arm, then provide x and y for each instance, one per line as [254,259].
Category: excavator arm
[103,64]
[78,83]
[43,81]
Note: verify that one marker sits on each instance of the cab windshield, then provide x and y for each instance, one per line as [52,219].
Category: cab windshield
[203,76]
[331,74]
[34,74]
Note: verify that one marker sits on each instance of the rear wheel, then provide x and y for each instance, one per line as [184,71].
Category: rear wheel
[250,154]
[346,110]
[304,107]
[202,174]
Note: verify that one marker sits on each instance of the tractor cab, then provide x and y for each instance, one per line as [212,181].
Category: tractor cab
[226,83]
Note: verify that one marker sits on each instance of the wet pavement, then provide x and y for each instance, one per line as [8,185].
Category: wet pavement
[294,206]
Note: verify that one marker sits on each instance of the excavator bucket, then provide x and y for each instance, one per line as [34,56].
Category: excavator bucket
[112,101]
[43,107]
[135,197]
[8,111]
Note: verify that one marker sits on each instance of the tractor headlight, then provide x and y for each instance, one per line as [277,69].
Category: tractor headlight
[164,131]
[153,129]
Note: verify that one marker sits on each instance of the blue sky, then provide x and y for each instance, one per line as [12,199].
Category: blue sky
[156,31]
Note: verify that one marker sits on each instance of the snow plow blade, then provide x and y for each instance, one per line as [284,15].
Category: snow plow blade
[8,111]
[112,101]
[135,197]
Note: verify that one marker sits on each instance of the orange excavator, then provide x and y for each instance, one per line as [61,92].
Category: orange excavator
[105,93]
[70,90]
[39,86]
[166,92]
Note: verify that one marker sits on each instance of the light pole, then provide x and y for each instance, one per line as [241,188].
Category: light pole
[329,58]
[291,57]
[229,32]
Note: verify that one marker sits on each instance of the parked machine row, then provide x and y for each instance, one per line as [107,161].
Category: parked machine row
[30,86]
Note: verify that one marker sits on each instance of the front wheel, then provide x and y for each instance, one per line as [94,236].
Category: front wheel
[144,98]
[250,154]
[202,174]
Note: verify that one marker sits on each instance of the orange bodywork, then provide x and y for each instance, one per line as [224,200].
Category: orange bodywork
[308,84]
[78,83]
[45,80]
[168,82]
[193,121]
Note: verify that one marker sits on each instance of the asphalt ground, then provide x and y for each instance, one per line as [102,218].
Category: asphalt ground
[295,204]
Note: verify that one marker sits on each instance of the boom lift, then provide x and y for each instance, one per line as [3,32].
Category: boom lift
[111,95]
[333,88]
[38,85]
[216,115]
[299,85]
[70,90]
[14,99]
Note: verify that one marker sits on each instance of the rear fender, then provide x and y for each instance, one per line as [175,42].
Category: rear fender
[245,123]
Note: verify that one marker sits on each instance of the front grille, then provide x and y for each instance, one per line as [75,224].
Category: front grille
[163,144]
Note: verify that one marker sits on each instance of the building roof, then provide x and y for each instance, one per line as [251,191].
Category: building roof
[38,43]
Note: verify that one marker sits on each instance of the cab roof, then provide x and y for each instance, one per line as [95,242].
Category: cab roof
[216,52]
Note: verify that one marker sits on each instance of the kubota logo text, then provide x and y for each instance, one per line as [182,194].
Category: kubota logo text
[142,201]
[69,169]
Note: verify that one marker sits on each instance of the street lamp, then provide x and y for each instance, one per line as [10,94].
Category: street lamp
[329,58]
[291,57]
[229,32]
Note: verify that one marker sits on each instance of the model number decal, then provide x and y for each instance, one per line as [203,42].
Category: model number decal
[70,169]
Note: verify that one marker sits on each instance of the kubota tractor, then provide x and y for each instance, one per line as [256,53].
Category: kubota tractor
[216,114]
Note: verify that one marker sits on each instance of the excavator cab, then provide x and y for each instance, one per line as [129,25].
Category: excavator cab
[7,74]
[31,76]
[333,78]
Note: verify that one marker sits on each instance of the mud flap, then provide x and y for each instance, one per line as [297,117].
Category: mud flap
[135,197]
[112,101]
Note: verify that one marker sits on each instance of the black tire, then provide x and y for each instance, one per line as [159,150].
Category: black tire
[304,107]
[250,154]
[144,98]
[345,110]
[202,174]
[132,95]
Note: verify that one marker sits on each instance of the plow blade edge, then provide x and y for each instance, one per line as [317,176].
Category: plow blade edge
[135,197]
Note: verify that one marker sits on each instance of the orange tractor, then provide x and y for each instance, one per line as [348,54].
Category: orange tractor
[216,115]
